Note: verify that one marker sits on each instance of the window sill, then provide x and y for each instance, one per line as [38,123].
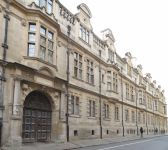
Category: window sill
[107,119]
[129,100]
[90,84]
[127,121]
[92,118]
[77,79]
[111,91]
[75,116]
[117,120]
[84,42]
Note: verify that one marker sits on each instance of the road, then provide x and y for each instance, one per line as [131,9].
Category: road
[159,143]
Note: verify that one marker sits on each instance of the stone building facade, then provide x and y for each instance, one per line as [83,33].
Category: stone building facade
[33,61]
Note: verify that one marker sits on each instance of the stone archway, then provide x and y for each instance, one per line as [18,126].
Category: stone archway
[36,125]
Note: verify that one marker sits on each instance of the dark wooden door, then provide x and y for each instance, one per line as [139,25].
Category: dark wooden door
[36,118]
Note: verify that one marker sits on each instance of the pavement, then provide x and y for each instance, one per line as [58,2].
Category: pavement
[88,144]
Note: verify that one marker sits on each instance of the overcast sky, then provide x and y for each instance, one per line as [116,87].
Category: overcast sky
[139,27]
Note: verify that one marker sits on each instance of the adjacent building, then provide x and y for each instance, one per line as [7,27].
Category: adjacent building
[33,61]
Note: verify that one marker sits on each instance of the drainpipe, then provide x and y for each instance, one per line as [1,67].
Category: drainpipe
[153,116]
[122,99]
[146,110]
[100,93]
[136,106]
[2,77]
[68,53]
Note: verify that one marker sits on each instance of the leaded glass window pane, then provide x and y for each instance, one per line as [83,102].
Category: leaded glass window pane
[108,86]
[31,51]
[50,56]
[49,6]
[44,3]
[32,37]
[72,104]
[84,34]
[75,55]
[80,31]
[75,71]
[87,77]
[80,74]
[77,105]
[37,2]
[80,57]
[42,52]
[43,31]
[80,65]
[90,108]
[93,108]
[32,27]
[42,41]
[50,35]
[92,79]
[50,45]
[87,37]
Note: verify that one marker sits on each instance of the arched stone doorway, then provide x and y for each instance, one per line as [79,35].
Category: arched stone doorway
[36,124]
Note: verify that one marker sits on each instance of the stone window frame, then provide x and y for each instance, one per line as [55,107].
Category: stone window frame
[132,116]
[80,104]
[110,55]
[144,118]
[148,119]
[47,49]
[127,91]
[115,84]
[110,76]
[88,108]
[139,118]
[127,115]
[115,113]
[105,105]
[132,92]
[32,42]
[155,105]
[129,70]
[78,68]
[46,4]
[140,96]
[143,98]
[81,33]
[89,73]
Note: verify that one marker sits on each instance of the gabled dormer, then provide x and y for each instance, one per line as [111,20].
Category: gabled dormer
[108,37]
[84,15]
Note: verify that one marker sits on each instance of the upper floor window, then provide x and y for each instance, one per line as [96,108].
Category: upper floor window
[140,97]
[106,111]
[37,2]
[44,3]
[108,80]
[127,90]
[31,39]
[132,96]
[90,74]
[164,110]
[110,55]
[49,6]
[155,105]
[129,72]
[77,65]
[115,82]
[84,34]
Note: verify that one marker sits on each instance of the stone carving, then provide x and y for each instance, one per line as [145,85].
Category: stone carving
[24,22]
[59,43]
[58,84]
[27,75]
[16,109]
[62,114]
[54,96]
